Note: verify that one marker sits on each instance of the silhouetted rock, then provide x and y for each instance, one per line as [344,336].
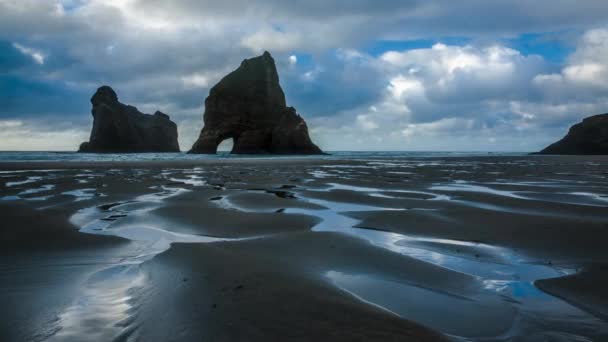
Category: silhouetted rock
[248,105]
[587,137]
[119,128]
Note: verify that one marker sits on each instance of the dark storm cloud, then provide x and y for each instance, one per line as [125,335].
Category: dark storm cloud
[402,17]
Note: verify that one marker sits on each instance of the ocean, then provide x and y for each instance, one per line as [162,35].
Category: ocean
[36,156]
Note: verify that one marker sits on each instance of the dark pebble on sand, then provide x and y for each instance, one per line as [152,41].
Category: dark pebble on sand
[113,217]
[109,206]
[282,194]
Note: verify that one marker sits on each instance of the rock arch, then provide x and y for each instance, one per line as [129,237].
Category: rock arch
[226,145]
[248,105]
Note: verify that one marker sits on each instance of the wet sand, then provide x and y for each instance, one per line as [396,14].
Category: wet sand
[477,248]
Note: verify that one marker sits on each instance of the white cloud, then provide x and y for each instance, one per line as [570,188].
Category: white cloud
[465,97]
[36,55]
[403,86]
[589,73]
[293,60]
[453,81]
[586,71]
[444,70]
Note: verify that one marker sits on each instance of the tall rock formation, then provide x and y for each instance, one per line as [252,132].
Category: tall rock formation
[248,105]
[120,128]
[587,137]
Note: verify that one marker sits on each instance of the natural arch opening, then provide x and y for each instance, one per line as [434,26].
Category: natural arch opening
[226,145]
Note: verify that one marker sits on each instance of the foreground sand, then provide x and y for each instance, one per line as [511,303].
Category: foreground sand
[301,249]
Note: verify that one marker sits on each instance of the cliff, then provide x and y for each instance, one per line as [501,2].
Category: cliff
[587,137]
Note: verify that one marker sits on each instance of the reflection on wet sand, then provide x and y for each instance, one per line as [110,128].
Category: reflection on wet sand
[364,200]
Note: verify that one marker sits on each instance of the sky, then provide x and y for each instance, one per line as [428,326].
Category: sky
[414,75]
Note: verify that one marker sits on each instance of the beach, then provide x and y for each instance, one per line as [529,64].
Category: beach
[463,248]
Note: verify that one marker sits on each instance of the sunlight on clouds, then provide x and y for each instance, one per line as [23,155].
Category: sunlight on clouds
[40,137]
[402,86]
[196,81]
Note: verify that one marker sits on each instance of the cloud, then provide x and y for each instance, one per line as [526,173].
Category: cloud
[166,55]
[585,74]
[460,74]
[37,56]
[293,60]
[18,135]
[270,39]
[366,123]
[361,19]
[463,97]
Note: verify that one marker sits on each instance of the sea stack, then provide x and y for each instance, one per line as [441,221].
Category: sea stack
[120,128]
[248,105]
[588,137]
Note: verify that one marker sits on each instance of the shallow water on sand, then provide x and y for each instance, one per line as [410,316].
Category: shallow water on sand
[501,293]
[105,309]
[510,304]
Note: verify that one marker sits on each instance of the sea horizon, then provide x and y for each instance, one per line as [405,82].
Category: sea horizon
[37,156]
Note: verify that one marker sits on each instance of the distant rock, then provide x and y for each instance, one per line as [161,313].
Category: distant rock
[248,105]
[120,128]
[587,137]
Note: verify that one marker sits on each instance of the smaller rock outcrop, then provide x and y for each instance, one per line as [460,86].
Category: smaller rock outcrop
[587,137]
[248,105]
[120,128]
